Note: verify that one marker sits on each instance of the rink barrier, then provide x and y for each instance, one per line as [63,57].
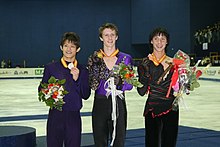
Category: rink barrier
[18,73]
[211,73]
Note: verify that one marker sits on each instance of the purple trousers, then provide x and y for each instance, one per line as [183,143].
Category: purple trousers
[64,127]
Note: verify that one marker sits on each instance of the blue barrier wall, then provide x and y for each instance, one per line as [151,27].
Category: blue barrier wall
[31,30]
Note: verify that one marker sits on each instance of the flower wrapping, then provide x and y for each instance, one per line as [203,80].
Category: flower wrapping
[52,93]
[185,78]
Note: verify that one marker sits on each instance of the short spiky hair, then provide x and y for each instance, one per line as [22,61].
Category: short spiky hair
[72,37]
[156,32]
[108,25]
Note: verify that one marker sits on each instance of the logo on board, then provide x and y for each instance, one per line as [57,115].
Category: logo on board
[39,71]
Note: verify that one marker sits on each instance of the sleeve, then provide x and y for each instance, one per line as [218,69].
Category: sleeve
[93,71]
[142,90]
[143,76]
[83,83]
[45,78]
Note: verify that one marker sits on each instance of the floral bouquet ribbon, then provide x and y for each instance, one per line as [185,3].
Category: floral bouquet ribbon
[110,87]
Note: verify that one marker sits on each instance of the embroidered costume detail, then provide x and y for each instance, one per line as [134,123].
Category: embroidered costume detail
[65,65]
[154,59]
[112,55]
[163,113]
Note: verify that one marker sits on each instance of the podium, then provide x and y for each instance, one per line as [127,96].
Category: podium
[17,136]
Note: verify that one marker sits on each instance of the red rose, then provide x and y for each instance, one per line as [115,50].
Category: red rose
[198,73]
[55,94]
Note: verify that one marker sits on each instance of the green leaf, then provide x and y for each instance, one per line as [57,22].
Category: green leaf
[196,84]
[52,80]
[40,96]
[65,92]
[43,85]
[49,102]
[61,82]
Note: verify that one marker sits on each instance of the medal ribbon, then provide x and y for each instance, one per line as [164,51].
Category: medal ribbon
[112,55]
[65,65]
[155,61]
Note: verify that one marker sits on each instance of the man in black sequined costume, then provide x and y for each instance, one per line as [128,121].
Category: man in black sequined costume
[155,73]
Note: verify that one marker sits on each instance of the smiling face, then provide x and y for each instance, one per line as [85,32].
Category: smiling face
[69,50]
[70,44]
[109,37]
[159,42]
[159,39]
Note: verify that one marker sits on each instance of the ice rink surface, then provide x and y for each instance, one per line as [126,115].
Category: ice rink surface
[199,120]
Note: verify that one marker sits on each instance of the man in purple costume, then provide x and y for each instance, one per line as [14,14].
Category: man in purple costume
[100,66]
[64,127]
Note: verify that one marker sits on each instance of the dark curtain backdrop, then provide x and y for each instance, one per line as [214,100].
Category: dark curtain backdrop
[30,30]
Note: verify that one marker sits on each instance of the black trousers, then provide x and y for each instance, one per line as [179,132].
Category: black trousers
[161,131]
[102,123]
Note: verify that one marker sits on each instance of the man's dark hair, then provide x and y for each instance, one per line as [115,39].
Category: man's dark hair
[156,32]
[72,37]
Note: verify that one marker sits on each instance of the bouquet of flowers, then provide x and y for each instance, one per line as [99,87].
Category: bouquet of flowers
[127,74]
[185,78]
[52,93]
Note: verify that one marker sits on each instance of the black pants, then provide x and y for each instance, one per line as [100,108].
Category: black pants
[103,125]
[161,131]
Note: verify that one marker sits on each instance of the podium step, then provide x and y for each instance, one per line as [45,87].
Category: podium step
[17,136]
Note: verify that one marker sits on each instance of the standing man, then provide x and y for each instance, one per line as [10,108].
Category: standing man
[100,66]
[155,73]
[64,127]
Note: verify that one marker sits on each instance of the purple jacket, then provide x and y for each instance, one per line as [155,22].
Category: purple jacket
[99,73]
[78,90]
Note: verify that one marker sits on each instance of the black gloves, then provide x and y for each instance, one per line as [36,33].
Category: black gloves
[144,76]
[117,80]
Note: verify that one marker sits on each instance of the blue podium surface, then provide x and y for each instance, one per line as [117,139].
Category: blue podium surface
[17,136]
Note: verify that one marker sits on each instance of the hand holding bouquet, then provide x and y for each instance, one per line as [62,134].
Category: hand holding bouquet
[52,93]
[127,74]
